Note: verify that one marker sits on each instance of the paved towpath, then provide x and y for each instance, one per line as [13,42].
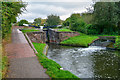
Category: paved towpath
[23,61]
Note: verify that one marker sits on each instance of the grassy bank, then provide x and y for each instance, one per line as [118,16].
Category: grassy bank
[65,30]
[117,42]
[53,69]
[29,30]
[82,40]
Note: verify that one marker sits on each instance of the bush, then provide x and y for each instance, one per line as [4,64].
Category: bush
[91,29]
[23,22]
[117,43]
[78,25]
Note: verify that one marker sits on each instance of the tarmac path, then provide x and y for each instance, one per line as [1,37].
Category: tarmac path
[23,61]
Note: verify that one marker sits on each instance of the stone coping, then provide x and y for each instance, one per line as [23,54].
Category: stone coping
[29,41]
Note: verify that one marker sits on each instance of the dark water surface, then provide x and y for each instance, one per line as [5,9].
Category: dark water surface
[91,62]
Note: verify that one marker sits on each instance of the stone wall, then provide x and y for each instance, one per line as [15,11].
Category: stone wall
[23,27]
[56,36]
[38,37]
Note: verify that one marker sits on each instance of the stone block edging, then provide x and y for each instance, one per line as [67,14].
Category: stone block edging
[29,41]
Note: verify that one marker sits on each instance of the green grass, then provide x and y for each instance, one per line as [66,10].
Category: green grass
[29,30]
[107,35]
[65,30]
[117,42]
[53,68]
[81,40]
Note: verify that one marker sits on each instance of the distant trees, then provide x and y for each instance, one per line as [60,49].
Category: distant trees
[106,17]
[37,21]
[66,22]
[21,22]
[76,23]
[52,20]
[10,10]
[87,17]
[43,21]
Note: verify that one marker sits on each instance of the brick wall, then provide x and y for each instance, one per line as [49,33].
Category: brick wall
[38,37]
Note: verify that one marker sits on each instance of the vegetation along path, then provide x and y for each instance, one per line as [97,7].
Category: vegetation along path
[23,61]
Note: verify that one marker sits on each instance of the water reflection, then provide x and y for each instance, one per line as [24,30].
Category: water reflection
[86,62]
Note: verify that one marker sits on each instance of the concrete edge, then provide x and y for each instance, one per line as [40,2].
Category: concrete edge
[30,43]
[45,50]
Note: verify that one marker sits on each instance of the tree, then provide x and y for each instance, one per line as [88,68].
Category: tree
[43,21]
[53,20]
[77,23]
[73,21]
[118,11]
[87,17]
[23,22]
[37,21]
[66,22]
[105,17]
[10,10]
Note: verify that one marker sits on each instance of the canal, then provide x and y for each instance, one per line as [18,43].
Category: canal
[91,62]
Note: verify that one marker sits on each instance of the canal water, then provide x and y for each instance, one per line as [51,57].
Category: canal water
[91,62]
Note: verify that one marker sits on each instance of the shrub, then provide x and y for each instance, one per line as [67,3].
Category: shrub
[78,25]
[23,22]
[91,29]
[117,43]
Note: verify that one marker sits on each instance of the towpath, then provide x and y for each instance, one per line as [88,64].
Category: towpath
[23,61]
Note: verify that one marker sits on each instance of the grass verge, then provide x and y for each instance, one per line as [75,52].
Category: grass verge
[117,42]
[65,30]
[82,40]
[29,30]
[53,68]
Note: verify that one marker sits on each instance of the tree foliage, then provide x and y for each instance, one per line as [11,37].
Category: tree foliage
[106,17]
[21,22]
[66,22]
[76,23]
[87,17]
[53,20]
[10,10]
[43,21]
[37,21]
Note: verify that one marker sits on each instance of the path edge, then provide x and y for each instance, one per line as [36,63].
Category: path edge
[30,43]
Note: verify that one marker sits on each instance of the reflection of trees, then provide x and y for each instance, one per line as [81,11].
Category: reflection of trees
[106,65]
